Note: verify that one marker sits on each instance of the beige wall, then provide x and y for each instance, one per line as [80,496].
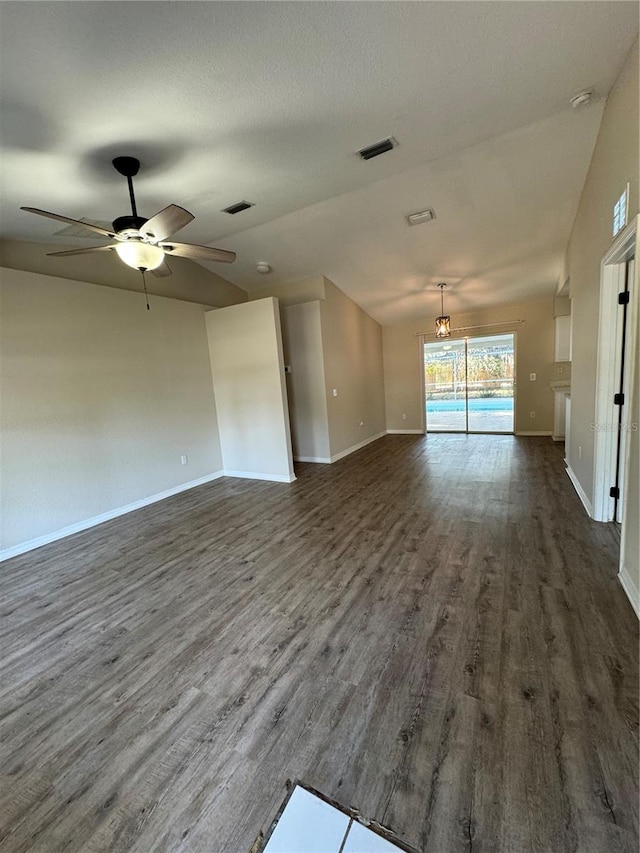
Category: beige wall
[189,281]
[247,366]
[349,359]
[100,399]
[352,347]
[614,162]
[293,292]
[302,343]
[534,354]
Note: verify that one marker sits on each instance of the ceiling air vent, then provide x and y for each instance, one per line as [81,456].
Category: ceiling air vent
[239,207]
[378,148]
[421,216]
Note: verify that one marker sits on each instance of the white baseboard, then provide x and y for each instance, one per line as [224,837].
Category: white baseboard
[79,526]
[324,459]
[355,447]
[534,432]
[405,432]
[254,475]
[586,503]
[633,594]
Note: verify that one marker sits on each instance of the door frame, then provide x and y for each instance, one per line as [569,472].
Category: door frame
[422,340]
[612,271]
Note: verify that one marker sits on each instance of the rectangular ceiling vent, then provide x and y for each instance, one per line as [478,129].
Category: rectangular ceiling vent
[378,148]
[421,216]
[239,207]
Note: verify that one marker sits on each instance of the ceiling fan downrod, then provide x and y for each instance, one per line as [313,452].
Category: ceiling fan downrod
[128,167]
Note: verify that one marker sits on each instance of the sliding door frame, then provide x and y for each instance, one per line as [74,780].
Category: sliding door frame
[422,340]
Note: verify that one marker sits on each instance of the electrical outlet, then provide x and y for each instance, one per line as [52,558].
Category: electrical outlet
[404,416]
[559,369]
[532,414]
[361,424]
[579,453]
[184,459]
[532,377]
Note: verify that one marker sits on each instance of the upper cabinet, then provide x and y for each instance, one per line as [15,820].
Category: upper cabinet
[563,338]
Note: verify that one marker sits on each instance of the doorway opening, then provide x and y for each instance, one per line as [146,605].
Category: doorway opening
[469,384]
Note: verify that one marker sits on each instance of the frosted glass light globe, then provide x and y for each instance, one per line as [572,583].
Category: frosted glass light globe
[139,255]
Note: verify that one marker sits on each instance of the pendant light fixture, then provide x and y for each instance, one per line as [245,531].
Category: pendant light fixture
[443,322]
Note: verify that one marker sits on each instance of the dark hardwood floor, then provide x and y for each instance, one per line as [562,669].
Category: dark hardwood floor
[430,630]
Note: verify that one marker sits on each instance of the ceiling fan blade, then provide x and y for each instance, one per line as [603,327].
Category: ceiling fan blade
[162,271]
[198,253]
[80,251]
[102,231]
[166,223]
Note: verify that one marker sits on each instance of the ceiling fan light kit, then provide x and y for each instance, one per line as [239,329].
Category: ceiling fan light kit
[139,242]
[140,255]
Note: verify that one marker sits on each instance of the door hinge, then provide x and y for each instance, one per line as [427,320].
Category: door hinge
[618,399]
[614,492]
[623,298]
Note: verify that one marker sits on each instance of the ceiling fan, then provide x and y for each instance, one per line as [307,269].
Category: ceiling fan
[143,243]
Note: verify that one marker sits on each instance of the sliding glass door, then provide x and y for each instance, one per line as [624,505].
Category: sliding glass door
[469,384]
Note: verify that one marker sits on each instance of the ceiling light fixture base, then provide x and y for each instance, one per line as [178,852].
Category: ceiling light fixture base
[126,166]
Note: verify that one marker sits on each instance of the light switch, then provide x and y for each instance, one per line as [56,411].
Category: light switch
[335,392]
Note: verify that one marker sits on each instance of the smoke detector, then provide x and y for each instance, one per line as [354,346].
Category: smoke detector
[263,267]
[582,99]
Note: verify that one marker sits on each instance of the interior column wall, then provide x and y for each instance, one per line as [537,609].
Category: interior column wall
[247,367]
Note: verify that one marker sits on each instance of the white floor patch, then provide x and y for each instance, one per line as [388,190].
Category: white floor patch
[310,825]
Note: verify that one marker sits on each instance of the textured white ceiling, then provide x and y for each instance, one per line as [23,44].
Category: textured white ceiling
[269,101]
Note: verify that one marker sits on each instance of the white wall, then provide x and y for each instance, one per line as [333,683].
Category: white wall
[247,365]
[302,342]
[614,163]
[100,399]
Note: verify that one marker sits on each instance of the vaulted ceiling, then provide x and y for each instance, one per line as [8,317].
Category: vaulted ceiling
[269,102]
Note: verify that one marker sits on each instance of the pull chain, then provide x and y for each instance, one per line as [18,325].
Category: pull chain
[144,284]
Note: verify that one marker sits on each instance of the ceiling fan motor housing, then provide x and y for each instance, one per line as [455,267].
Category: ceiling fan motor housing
[123,223]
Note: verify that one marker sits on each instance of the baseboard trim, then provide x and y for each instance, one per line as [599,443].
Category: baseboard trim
[324,459]
[526,432]
[405,432]
[586,503]
[257,475]
[358,446]
[632,591]
[79,526]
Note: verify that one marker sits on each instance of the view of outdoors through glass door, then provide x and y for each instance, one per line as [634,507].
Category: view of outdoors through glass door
[469,384]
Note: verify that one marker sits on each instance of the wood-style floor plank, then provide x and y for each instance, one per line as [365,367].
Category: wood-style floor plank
[430,630]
